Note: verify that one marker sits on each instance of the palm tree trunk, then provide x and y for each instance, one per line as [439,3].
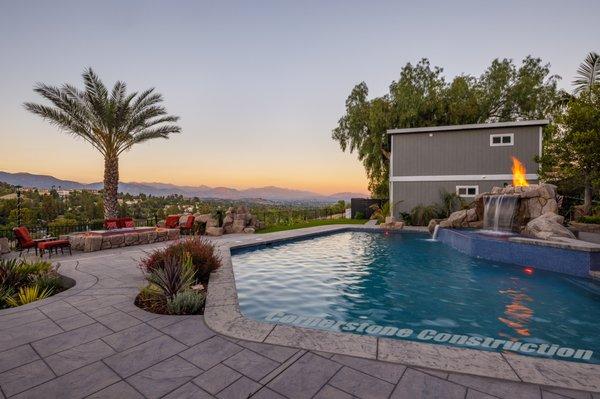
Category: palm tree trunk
[111,186]
[587,196]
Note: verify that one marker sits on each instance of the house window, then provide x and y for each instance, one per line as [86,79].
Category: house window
[467,191]
[502,139]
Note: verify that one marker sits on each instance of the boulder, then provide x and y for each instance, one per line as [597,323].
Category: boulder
[238,226]
[214,231]
[202,217]
[249,230]
[456,219]
[547,227]
[432,224]
[212,222]
[4,248]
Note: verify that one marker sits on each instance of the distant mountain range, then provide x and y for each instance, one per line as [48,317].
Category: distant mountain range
[164,189]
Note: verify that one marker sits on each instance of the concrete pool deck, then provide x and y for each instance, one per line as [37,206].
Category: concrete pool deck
[92,341]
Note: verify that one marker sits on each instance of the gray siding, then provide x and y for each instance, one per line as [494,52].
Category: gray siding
[426,193]
[463,152]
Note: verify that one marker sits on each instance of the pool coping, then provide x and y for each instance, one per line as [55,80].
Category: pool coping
[222,314]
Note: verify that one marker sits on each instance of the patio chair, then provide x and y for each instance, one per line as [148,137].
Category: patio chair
[118,223]
[186,224]
[54,245]
[24,240]
[171,222]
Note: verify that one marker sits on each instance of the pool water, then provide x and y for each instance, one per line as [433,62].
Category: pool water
[409,283]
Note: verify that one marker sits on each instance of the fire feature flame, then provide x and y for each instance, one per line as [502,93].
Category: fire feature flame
[518,172]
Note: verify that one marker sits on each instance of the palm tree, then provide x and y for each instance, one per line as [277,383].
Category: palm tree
[111,122]
[588,73]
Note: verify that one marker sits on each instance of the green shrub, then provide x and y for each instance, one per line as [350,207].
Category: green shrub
[589,219]
[420,215]
[175,275]
[201,252]
[30,280]
[152,299]
[359,215]
[28,294]
[185,302]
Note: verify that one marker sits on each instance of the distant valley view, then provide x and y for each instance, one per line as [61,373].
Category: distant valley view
[271,193]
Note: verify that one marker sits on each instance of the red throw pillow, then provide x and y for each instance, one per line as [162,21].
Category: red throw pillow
[111,225]
[129,223]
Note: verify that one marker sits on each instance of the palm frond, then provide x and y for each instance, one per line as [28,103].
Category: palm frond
[588,73]
[111,122]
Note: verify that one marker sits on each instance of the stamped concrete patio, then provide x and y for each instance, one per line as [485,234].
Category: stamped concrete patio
[92,341]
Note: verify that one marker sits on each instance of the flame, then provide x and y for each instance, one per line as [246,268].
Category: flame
[518,172]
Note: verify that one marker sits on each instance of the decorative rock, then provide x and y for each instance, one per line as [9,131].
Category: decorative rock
[249,230]
[547,227]
[238,226]
[471,215]
[432,224]
[212,223]
[455,220]
[151,237]
[214,231]
[4,248]
[203,217]
[551,206]
[117,241]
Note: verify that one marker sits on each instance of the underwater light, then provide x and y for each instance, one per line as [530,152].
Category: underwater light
[528,270]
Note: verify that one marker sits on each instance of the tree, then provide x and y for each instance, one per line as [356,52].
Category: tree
[573,150]
[111,122]
[422,97]
[588,73]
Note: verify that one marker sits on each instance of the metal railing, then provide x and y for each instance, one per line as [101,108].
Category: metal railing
[50,230]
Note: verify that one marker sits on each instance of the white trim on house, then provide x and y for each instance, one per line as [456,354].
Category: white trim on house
[502,136]
[541,141]
[390,185]
[529,176]
[540,122]
[467,195]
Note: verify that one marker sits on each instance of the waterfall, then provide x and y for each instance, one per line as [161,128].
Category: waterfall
[435,232]
[499,212]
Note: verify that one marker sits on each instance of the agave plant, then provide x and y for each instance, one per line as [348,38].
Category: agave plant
[29,294]
[176,275]
[588,73]
[186,302]
[112,122]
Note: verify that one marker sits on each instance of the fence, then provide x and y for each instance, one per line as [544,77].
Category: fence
[50,230]
[268,218]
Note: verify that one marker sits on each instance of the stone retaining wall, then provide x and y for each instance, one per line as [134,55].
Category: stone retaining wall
[90,242]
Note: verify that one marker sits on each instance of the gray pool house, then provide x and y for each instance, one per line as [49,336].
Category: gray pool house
[465,159]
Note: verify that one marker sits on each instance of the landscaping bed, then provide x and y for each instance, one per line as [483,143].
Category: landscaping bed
[177,277]
[23,281]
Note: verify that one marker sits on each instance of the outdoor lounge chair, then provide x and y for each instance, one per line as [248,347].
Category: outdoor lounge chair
[186,224]
[171,222]
[119,223]
[24,241]
[54,245]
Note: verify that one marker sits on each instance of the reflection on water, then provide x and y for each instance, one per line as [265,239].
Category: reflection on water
[516,314]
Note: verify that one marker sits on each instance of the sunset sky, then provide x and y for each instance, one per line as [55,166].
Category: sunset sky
[259,85]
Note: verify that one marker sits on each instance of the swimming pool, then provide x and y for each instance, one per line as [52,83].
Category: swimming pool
[406,286]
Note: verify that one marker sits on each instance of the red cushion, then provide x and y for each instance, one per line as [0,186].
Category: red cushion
[110,225]
[172,221]
[189,222]
[129,223]
[53,244]
[121,222]
[23,235]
